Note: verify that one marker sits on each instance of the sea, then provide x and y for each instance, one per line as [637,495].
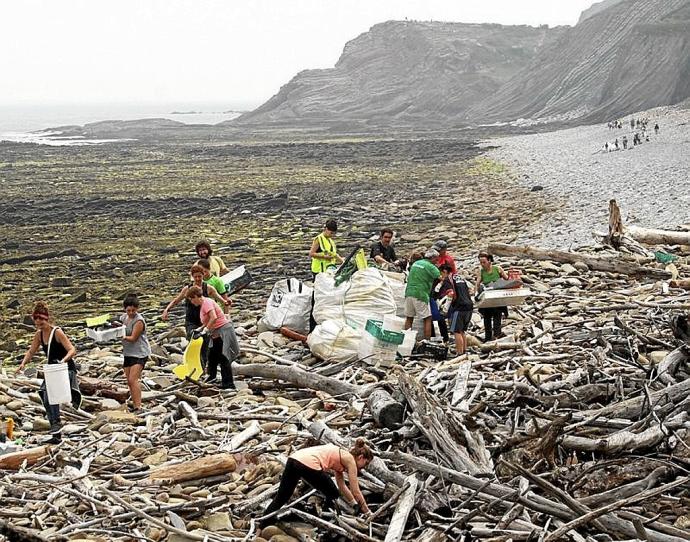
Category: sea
[38,123]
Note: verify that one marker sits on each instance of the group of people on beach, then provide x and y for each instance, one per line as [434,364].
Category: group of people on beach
[435,291]
[641,133]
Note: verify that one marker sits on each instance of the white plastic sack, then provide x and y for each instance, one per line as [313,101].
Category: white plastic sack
[367,295]
[288,305]
[334,341]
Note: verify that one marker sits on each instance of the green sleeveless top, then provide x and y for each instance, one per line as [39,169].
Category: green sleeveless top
[490,276]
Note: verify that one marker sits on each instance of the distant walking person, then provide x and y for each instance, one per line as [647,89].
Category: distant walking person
[625,142]
[656,128]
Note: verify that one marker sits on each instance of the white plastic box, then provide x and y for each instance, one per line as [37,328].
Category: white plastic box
[503,298]
[101,335]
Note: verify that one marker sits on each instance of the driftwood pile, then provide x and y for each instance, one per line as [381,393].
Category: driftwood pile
[575,426]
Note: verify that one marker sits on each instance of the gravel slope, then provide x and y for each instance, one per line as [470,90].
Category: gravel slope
[651,181]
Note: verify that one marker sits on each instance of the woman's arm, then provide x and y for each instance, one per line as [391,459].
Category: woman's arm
[314,250]
[502,273]
[33,348]
[174,302]
[223,301]
[478,281]
[342,486]
[137,330]
[353,480]
[64,341]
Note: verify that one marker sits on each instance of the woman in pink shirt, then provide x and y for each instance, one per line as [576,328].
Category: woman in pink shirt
[224,348]
[315,464]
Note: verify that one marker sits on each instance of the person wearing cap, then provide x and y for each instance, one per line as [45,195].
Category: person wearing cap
[444,258]
[323,252]
[420,280]
[204,251]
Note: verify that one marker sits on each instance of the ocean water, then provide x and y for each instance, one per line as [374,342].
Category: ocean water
[34,123]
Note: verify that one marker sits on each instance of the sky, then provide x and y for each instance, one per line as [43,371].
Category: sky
[236,52]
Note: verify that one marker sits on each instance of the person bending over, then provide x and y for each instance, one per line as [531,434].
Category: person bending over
[314,465]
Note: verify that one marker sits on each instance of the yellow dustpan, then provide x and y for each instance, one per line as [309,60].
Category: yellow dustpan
[191,363]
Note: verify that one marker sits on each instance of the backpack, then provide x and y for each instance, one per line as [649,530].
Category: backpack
[463,299]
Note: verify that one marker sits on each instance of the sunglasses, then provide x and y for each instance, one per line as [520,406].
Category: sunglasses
[39,317]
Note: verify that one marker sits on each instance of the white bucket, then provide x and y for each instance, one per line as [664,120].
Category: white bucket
[392,323]
[405,349]
[57,383]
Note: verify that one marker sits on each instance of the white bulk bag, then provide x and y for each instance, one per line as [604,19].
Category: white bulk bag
[288,305]
[334,341]
[367,295]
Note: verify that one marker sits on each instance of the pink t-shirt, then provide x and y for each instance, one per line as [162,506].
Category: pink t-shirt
[326,457]
[209,308]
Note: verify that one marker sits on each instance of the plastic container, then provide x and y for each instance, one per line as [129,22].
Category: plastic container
[410,336]
[375,352]
[57,383]
[236,280]
[392,323]
[101,335]
[375,328]
[503,298]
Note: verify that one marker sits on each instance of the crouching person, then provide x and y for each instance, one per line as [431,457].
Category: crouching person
[224,347]
[314,465]
[58,349]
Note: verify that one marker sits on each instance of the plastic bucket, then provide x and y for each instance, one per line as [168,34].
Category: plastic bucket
[57,383]
[405,349]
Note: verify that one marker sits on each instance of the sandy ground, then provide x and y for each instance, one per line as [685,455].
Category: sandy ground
[650,181]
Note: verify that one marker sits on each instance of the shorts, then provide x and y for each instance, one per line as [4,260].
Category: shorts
[416,308]
[459,321]
[132,360]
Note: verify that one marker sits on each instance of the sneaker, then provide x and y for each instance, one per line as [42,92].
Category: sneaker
[55,438]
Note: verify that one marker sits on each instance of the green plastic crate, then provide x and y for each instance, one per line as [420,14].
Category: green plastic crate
[375,329]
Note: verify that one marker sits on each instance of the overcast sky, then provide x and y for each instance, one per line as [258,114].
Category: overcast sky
[232,51]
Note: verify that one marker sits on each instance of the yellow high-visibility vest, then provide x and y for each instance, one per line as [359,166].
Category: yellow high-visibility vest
[326,246]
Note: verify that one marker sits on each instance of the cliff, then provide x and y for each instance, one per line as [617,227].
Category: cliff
[405,73]
[632,56]
[623,56]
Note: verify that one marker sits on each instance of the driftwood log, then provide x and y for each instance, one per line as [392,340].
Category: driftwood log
[202,467]
[14,460]
[610,265]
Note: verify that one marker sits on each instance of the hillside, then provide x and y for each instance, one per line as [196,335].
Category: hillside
[623,56]
[405,73]
[633,56]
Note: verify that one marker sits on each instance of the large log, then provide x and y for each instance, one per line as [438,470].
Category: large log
[387,412]
[608,264]
[299,377]
[396,528]
[649,236]
[202,467]
[94,386]
[14,460]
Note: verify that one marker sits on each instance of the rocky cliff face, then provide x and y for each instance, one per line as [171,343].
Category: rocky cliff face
[624,56]
[406,73]
[597,8]
[632,56]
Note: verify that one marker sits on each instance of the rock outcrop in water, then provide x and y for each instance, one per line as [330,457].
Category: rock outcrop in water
[623,56]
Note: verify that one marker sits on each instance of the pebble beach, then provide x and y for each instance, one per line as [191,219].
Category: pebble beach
[649,181]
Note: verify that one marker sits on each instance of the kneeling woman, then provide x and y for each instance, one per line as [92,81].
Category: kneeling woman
[224,346]
[58,349]
[314,465]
